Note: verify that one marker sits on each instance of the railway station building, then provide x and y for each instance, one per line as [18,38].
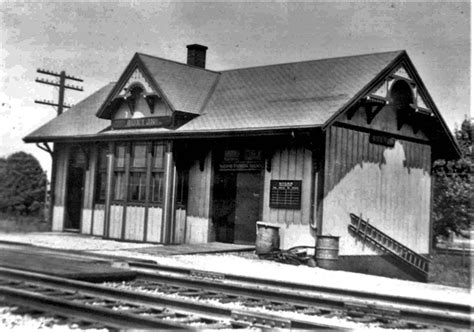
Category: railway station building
[175,153]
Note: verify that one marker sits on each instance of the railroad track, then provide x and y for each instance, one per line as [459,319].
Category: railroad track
[95,305]
[385,310]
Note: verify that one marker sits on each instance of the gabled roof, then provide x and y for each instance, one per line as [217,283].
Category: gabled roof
[301,94]
[184,88]
[297,95]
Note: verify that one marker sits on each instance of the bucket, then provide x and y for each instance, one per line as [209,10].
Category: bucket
[268,238]
[327,251]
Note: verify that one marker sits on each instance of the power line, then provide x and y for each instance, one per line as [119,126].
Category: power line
[62,88]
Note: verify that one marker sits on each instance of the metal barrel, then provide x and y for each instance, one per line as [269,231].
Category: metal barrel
[327,251]
[268,238]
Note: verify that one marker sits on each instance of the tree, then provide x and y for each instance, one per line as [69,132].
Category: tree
[452,210]
[22,184]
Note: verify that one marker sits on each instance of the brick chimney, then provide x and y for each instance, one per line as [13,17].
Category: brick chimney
[197,55]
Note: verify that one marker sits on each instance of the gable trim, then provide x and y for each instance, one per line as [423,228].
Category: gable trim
[134,64]
[402,60]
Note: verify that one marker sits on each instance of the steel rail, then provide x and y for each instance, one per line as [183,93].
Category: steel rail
[439,313]
[109,317]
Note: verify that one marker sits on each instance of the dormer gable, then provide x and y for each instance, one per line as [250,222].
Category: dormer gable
[137,101]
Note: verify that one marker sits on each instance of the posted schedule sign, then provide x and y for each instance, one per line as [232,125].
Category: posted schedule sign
[285,194]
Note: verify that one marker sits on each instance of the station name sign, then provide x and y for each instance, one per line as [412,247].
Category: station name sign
[382,140]
[155,122]
[285,194]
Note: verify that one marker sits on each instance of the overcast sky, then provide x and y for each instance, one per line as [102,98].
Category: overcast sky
[95,41]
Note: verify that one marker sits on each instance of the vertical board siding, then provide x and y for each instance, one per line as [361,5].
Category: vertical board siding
[293,163]
[99,215]
[86,221]
[180,226]
[58,218]
[116,220]
[88,199]
[62,156]
[154,224]
[135,225]
[389,186]
[199,202]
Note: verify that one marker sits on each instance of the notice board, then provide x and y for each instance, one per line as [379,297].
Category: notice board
[285,194]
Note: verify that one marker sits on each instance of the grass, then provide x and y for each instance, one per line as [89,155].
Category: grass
[23,224]
[451,270]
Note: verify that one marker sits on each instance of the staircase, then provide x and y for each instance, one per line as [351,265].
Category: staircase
[382,241]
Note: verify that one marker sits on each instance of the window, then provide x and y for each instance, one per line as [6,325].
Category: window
[119,172]
[101,179]
[137,185]
[157,173]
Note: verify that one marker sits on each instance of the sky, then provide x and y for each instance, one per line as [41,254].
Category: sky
[96,40]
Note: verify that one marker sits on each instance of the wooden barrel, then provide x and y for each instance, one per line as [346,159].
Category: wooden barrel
[327,251]
[268,238]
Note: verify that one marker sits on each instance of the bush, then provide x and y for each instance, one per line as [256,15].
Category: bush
[22,184]
[452,210]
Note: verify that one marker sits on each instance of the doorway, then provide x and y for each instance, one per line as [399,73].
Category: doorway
[237,205]
[75,190]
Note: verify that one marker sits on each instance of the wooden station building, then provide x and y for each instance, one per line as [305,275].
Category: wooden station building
[176,153]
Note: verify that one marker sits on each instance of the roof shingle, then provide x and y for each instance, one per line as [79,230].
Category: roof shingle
[292,95]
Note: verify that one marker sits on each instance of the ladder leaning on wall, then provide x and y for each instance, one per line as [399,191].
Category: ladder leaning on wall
[369,233]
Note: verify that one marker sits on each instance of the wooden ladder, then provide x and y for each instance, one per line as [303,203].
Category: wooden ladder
[369,233]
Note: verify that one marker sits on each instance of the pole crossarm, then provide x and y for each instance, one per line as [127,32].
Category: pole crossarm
[62,88]
[52,73]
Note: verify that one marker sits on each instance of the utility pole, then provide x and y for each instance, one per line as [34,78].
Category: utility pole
[62,88]
[60,107]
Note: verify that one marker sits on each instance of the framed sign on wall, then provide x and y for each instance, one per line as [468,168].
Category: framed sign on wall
[285,194]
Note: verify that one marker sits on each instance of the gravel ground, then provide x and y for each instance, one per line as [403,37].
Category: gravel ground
[246,264]
[12,321]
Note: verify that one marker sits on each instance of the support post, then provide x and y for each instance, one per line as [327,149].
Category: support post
[169,196]
[108,191]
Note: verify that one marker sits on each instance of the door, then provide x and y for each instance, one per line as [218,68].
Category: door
[237,205]
[247,206]
[224,205]
[75,190]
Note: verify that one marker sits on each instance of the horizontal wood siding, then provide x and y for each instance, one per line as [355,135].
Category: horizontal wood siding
[98,221]
[135,225]
[116,219]
[294,163]
[154,224]
[389,186]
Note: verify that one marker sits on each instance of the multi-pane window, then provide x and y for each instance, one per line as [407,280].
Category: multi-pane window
[137,185]
[135,163]
[157,173]
[101,174]
[119,172]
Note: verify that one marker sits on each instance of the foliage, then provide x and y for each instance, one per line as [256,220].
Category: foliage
[452,188]
[22,184]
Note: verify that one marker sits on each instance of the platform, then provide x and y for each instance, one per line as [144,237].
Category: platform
[60,264]
[198,248]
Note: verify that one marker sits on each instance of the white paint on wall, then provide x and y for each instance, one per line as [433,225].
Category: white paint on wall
[115,223]
[99,215]
[296,235]
[154,224]
[58,218]
[197,229]
[86,221]
[393,197]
